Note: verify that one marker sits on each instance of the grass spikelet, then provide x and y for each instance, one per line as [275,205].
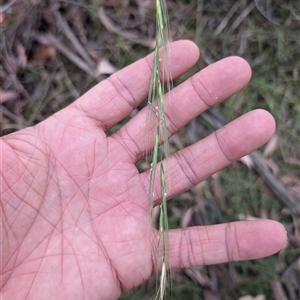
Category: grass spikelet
[161,82]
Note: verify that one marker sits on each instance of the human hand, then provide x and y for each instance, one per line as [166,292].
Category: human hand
[74,206]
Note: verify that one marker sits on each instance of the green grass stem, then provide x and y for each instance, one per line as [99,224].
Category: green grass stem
[159,79]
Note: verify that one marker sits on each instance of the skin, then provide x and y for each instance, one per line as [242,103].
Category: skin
[74,206]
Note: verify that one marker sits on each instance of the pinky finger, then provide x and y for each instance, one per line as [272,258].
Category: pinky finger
[221,243]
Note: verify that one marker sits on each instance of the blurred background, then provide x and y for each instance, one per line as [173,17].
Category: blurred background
[54,51]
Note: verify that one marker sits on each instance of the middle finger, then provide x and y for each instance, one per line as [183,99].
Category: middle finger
[185,102]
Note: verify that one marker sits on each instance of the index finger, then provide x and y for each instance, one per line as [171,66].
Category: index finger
[114,98]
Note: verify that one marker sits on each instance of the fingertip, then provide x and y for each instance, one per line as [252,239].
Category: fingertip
[265,123]
[246,134]
[184,54]
[222,79]
[261,238]
[242,65]
[274,237]
[267,118]
[239,67]
[188,46]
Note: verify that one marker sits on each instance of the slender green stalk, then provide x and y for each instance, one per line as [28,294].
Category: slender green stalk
[160,78]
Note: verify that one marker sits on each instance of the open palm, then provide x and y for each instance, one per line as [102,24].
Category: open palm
[74,206]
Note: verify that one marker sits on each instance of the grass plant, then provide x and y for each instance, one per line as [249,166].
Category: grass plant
[160,78]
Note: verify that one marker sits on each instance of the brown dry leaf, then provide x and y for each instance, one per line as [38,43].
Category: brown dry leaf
[271,146]
[200,188]
[272,165]
[148,4]
[21,55]
[263,213]
[216,189]
[95,55]
[290,180]
[246,160]
[292,183]
[211,295]
[197,276]
[2,18]
[296,223]
[278,291]
[105,67]
[243,217]
[7,95]
[44,52]
[249,297]
[187,217]
[293,161]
